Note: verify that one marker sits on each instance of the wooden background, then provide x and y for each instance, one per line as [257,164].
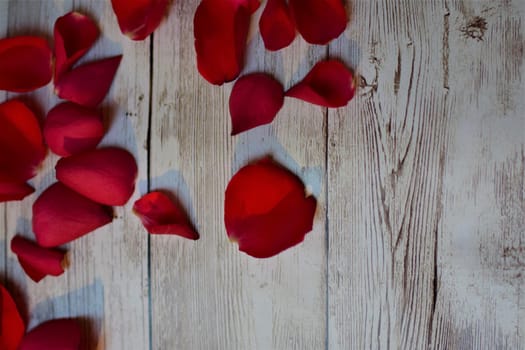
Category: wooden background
[419,237]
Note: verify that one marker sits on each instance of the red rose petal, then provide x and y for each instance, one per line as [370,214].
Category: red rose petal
[74,33]
[106,175]
[160,215]
[12,326]
[60,215]
[70,128]
[319,21]
[266,209]
[221,30]
[12,190]
[276,25]
[36,261]
[60,334]
[139,18]
[25,63]
[255,100]
[329,84]
[88,84]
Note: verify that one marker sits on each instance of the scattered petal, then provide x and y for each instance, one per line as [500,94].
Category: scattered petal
[75,33]
[88,84]
[276,25]
[13,190]
[319,21]
[139,18]
[329,84]
[266,209]
[60,334]
[12,327]
[25,63]
[255,100]
[160,215]
[70,128]
[221,30]
[106,175]
[60,215]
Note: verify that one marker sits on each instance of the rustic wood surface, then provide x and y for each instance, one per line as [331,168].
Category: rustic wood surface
[419,236]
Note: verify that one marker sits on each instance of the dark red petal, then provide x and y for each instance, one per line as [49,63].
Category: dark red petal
[160,215]
[75,33]
[60,215]
[36,261]
[25,63]
[12,326]
[60,334]
[276,25]
[21,143]
[13,190]
[255,100]
[266,209]
[70,128]
[319,21]
[139,18]
[221,30]
[106,175]
[87,85]
[329,84]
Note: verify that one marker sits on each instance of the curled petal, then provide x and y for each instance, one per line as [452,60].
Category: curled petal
[88,84]
[60,334]
[12,326]
[160,215]
[36,261]
[221,30]
[266,209]
[13,190]
[329,84]
[319,21]
[25,63]
[60,215]
[276,25]
[255,100]
[70,128]
[74,33]
[106,175]
[139,18]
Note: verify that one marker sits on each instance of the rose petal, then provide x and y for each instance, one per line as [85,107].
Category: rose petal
[329,84]
[75,33]
[160,215]
[106,175]
[88,84]
[25,63]
[13,190]
[319,21]
[60,334]
[70,128]
[266,209]
[276,25]
[139,18]
[255,100]
[60,215]
[221,30]
[12,326]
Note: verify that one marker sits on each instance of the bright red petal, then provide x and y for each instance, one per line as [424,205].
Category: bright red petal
[70,128]
[36,261]
[87,85]
[25,63]
[106,175]
[329,84]
[139,18]
[276,25]
[160,215]
[266,209]
[221,30]
[319,21]
[75,33]
[13,190]
[60,215]
[255,100]
[61,334]
[12,326]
